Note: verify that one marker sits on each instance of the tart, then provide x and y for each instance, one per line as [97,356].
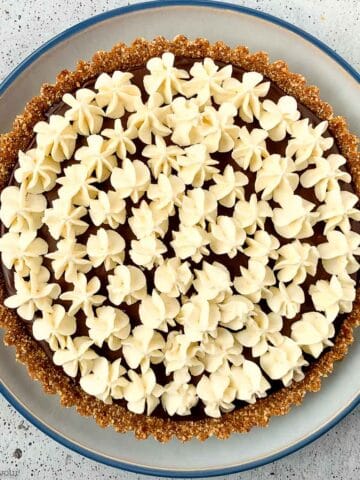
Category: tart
[179,238]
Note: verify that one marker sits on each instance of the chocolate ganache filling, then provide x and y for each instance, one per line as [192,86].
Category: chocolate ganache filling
[232,264]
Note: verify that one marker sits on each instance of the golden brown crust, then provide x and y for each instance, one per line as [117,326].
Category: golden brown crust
[30,353]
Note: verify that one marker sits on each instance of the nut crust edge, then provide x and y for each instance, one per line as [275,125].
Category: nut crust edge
[31,354]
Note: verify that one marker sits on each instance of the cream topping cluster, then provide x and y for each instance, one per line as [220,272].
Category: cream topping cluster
[217,336]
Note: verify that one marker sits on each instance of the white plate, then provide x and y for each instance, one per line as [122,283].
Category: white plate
[339,84]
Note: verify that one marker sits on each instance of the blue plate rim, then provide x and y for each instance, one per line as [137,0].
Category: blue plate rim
[200,473]
[167,3]
[5,84]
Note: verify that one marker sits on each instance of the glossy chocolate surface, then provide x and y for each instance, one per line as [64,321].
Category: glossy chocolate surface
[233,265]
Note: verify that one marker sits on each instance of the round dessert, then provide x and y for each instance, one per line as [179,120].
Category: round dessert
[179,238]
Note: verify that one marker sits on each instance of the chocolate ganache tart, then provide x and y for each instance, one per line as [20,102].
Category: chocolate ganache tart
[179,238]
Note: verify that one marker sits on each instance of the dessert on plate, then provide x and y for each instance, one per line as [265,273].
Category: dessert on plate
[179,238]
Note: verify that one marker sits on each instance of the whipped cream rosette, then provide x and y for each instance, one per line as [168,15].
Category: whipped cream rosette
[182,237]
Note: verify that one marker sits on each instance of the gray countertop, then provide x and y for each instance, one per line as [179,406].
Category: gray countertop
[25,452]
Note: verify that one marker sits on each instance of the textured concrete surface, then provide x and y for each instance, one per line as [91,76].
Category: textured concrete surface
[25,452]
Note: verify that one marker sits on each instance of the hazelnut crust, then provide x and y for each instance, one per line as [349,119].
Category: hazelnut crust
[31,354]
